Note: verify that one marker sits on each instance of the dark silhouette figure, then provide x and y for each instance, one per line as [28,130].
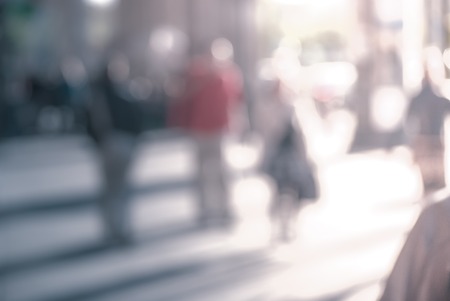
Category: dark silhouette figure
[114,126]
[425,120]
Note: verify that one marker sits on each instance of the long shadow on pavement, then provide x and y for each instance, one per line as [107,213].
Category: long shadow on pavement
[212,275]
[63,203]
[87,251]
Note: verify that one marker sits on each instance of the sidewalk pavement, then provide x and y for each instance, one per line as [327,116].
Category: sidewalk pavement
[50,224]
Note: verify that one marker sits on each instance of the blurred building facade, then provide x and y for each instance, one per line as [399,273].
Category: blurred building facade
[386,39]
[398,34]
[156,36]
[43,32]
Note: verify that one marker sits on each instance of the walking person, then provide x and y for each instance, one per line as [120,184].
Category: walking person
[114,126]
[212,91]
[285,160]
[425,121]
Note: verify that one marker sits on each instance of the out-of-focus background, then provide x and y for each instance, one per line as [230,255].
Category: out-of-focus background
[352,68]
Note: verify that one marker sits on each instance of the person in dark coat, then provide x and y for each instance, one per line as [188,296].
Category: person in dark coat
[113,125]
[286,160]
[425,121]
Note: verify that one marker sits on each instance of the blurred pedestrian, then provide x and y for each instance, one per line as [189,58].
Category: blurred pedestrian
[422,269]
[425,120]
[285,156]
[114,126]
[212,90]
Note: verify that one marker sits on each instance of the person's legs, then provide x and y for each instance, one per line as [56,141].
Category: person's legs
[117,154]
[202,179]
[220,185]
[429,156]
[213,195]
[284,212]
[275,215]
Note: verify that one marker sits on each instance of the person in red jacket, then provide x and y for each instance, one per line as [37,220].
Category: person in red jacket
[212,89]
